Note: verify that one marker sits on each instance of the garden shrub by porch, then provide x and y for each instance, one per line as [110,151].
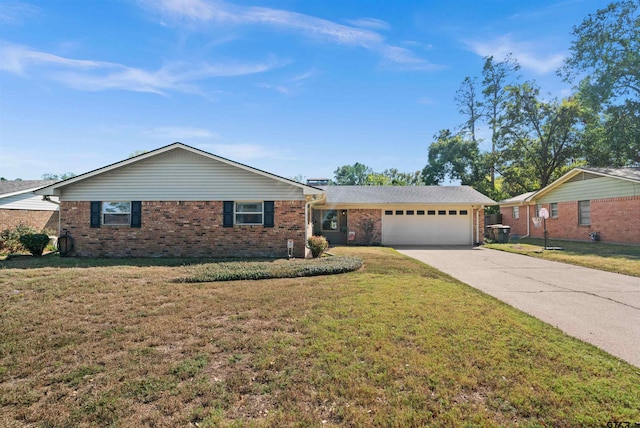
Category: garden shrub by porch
[317,245]
[35,243]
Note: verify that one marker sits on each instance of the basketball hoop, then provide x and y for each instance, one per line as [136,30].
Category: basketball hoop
[537,221]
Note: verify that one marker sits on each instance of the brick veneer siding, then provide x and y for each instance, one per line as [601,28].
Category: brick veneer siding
[616,219]
[185,229]
[358,219]
[518,225]
[40,220]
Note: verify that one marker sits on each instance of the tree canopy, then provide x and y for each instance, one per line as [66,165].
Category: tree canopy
[605,64]
[361,175]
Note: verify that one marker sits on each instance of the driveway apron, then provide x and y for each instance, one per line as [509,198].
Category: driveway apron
[597,307]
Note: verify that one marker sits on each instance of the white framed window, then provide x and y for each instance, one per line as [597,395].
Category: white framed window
[249,213]
[515,213]
[116,213]
[553,210]
[584,213]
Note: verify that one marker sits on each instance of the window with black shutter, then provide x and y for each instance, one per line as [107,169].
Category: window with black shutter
[136,214]
[227,214]
[269,214]
[96,213]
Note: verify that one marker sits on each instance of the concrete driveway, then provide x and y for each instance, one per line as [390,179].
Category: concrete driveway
[597,307]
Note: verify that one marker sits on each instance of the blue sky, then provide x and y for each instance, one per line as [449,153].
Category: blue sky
[296,88]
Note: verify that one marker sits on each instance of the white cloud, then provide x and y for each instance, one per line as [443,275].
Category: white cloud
[177,133]
[290,86]
[14,13]
[396,56]
[205,12]
[530,55]
[370,23]
[92,75]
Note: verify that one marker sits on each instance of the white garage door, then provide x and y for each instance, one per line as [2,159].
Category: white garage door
[427,226]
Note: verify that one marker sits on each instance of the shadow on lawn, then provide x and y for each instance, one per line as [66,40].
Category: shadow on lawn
[53,259]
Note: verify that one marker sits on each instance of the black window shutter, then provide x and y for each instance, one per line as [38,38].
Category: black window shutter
[269,212]
[227,214]
[136,214]
[96,208]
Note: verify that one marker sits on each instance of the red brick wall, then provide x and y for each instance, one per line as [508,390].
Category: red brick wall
[478,231]
[185,229]
[357,220]
[518,225]
[41,220]
[616,219]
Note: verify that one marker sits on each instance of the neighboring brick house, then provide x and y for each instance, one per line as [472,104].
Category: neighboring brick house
[583,201]
[18,205]
[181,201]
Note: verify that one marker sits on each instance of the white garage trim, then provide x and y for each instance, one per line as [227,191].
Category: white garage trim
[427,225]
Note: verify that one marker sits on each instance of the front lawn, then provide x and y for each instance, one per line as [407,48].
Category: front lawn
[396,343]
[623,259]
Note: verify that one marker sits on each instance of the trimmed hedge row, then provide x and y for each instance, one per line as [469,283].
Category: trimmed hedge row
[243,270]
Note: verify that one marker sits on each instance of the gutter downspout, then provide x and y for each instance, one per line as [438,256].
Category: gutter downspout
[307,206]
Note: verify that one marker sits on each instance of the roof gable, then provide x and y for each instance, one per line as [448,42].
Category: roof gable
[588,173]
[176,168]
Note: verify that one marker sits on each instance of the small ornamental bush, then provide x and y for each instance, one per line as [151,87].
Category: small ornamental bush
[317,245]
[35,243]
[10,238]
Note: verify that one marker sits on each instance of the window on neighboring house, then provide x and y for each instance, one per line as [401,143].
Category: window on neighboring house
[248,213]
[584,213]
[516,212]
[116,213]
[553,210]
[538,207]
[330,220]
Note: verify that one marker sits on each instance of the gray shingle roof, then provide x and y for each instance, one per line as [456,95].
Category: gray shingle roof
[516,199]
[405,195]
[13,186]
[629,173]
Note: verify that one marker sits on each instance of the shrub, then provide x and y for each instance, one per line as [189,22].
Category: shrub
[317,245]
[10,238]
[35,243]
[252,270]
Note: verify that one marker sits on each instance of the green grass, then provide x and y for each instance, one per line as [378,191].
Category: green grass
[394,344]
[623,259]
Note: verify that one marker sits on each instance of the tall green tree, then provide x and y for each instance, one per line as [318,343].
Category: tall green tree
[496,77]
[540,140]
[451,157]
[470,106]
[355,174]
[605,63]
